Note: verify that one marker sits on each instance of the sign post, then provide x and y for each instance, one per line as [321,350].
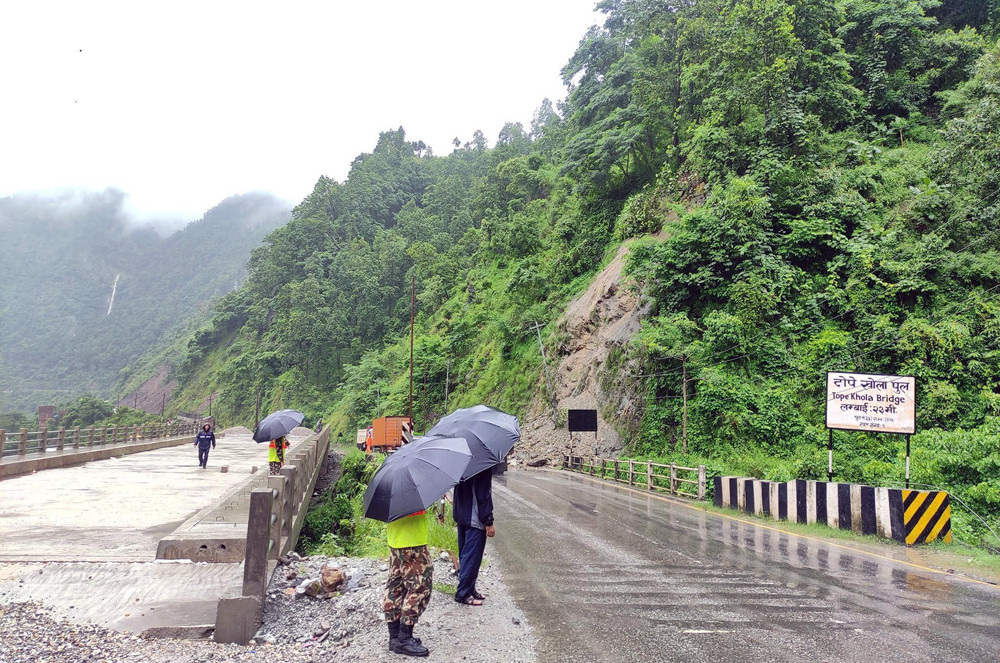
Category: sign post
[873,403]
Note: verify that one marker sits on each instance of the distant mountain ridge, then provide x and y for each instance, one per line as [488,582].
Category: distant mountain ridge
[62,257]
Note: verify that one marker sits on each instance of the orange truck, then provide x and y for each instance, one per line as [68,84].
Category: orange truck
[388,434]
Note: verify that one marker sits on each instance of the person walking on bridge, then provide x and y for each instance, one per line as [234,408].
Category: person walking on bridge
[276,455]
[204,441]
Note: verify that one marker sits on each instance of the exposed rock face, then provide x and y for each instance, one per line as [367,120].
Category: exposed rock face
[599,321]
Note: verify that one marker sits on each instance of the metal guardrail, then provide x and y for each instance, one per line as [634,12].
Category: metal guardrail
[654,476]
[43,441]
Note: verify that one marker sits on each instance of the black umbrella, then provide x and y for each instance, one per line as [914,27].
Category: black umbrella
[415,477]
[277,424]
[464,412]
[491,435]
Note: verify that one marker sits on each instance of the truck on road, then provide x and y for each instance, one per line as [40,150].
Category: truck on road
[386,434]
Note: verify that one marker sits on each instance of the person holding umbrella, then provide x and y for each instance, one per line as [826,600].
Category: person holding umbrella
[276,455]
[410,480]
[273,428]
[491,434]
[204,440]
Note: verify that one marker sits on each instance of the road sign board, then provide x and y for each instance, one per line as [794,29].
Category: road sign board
[875,403]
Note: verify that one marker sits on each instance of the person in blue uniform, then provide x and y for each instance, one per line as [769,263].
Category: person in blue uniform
[204,441]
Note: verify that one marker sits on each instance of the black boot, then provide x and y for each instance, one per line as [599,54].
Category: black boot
[394,633]
[406,644]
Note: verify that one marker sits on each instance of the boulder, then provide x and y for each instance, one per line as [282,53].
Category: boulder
[331,578]
[538,461]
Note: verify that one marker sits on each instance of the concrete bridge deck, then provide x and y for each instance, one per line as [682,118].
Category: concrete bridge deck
[83,539]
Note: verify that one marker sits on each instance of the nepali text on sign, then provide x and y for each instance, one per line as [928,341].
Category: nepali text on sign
[876,403]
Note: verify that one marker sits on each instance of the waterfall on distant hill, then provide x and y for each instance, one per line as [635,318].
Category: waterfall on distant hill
[114,287]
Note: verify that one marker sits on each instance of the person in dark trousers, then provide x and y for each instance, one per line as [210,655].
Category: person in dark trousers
[204,441]
[472,508]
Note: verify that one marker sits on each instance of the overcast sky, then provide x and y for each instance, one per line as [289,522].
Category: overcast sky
[181,104]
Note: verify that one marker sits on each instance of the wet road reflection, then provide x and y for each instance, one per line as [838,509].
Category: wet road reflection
[609,574]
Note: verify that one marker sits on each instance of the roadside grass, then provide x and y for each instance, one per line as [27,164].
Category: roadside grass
[445,589]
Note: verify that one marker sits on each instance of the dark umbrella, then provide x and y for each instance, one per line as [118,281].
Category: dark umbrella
[277,424]
[415,477]
[491,435]
[463,412]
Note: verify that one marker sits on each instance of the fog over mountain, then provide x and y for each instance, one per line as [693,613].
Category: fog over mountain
[87,289]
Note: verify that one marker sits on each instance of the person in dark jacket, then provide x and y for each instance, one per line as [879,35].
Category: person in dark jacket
[473,512]
[204,441]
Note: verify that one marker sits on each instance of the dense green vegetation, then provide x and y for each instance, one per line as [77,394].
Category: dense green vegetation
[60,339]
[825,177]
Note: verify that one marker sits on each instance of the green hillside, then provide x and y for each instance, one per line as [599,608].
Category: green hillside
[825,178]
[62,335]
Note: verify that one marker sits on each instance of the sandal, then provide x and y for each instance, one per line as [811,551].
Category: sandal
[469,600]
[478,596]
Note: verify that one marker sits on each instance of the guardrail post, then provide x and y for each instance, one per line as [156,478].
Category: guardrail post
[591,466]
[616,469]
[114,438]
[673,478]
[631,472]
[277,486]
[104,435]
[22,444]
[258,543]
[649,475]
[90,438]
[62,439]
[701,482]
[43,440]
[3,440]
[290,472]
[76,437]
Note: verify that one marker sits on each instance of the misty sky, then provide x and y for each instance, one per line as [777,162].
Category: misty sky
[181,104]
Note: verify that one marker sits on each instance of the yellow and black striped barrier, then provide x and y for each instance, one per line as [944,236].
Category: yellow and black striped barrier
[926,516]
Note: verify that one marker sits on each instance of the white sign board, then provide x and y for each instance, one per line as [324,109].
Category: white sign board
[876,403]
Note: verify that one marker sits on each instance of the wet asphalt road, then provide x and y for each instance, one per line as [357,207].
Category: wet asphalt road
[606,574]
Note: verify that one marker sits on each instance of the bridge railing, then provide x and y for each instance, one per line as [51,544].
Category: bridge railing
[276,516]
[673,478]
[23,442]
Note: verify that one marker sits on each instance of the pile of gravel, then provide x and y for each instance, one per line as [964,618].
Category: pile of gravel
[237,430]
[301,431]
[297,628]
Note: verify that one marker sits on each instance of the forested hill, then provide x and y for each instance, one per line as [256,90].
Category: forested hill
[826,177]
[65,255]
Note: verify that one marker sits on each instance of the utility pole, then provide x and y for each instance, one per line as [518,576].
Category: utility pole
[424,421]
[548,381]
[378,399]
[210,405]
[135,401]
[413,304]
[256,412]
[684,420]
[163,405]
[447,376]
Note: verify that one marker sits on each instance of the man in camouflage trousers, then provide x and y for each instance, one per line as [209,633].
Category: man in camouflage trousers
[408,590]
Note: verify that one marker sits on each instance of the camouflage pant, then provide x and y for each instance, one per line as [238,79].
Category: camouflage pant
[409,588]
